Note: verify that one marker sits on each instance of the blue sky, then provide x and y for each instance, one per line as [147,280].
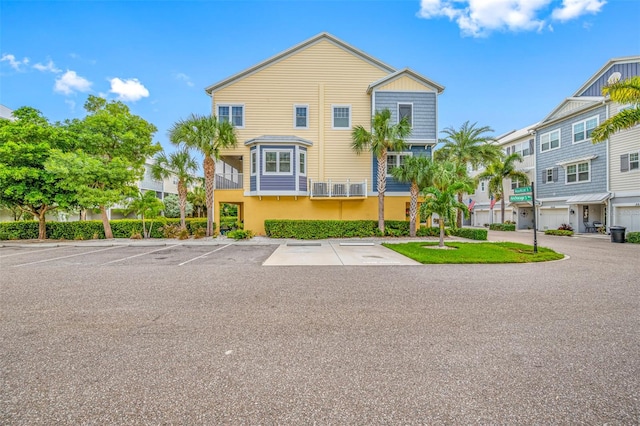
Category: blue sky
[504,63]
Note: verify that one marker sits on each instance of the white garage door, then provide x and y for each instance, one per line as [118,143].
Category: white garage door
[552,218]
[481,218]
[629,217]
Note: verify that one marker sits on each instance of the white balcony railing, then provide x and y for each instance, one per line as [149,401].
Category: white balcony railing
[337,189]
[228,180]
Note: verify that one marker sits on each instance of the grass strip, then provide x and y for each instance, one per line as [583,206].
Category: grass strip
[461,252]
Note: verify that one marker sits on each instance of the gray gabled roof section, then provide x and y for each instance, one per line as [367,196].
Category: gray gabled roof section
[410,73]
[273,139]
[295,49]
[605,68]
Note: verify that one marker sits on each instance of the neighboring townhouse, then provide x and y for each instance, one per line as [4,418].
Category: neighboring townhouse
[294,114]
[484,211]
[573,174]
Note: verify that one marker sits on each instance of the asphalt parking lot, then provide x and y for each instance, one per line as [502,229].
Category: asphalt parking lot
[205,334]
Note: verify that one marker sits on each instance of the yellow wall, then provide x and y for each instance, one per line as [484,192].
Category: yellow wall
[319,76]
[405,83]
[256,210]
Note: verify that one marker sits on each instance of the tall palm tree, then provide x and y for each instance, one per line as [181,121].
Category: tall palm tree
[467,145]
[440,197]
[384,136]
[417,171]
[181,165]
[622,92]
[207,135]
[497,172]
[198,199]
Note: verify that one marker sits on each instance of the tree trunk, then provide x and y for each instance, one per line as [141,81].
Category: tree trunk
[182,196]
[209,166]
[42,224]
[83,214]
[441,221]
[413,209]
[502,201]
[382,187]
[105,223]
[459,217]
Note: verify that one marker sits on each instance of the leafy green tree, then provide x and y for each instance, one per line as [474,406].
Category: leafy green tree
[198,200]
[172,206]
[207,135]
[467,145]
[497,172]
[147,206]
[623,92]
[418,172]
[383,137]
[25,184]
[112,145]
[441,197]
[181,165]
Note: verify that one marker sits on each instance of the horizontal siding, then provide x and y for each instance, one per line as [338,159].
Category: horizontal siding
[405,83]
[569,151]
[277,183]
[424,110]
[392,184]
[623,142]
[252,183]
[321,75]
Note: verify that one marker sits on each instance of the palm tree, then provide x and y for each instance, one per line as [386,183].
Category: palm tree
[622,92]
[384,137]
[497,172]
[207,135]
[198,199]
[440,197]
[467,145]
[145,205]
[417,171]
[181,165]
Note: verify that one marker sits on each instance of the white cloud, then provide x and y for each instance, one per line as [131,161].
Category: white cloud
[128,90]
[70,82]
[48,67]
[15,64]
[72,104]
[183,77]
[478,18]
[572,9]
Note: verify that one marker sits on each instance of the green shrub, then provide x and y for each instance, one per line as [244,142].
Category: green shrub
[470,233]
[561,232]
[240,234]
[633,237]
[396,228]
[319,229]
[433,231]
[502,227]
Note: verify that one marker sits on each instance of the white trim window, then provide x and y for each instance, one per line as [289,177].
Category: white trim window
[550,141]
[516,183]
[630,161]
[232,113]
[483,186]
[405,110]
[302,163]
[341,117]
[579,172]
[583,129]
[550,175]
[301,116]
[396,159]
[254,162]
[277,162]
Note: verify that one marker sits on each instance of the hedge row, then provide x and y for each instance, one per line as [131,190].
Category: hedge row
[560,232]
[319,229]
[92,229]
[633,237]
[502,226]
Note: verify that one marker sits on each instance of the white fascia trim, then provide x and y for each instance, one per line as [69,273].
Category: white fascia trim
[576,160]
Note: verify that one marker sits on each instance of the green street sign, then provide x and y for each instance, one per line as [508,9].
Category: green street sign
[519,198]
[522,190]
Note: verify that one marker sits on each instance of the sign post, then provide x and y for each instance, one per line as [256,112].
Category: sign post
[535,226]
[527,193]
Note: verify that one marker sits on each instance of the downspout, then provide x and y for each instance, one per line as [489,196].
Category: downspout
[608,149]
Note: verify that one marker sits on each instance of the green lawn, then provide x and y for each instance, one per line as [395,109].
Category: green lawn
[474,252]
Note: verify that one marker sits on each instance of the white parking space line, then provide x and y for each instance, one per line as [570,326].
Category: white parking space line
[65,257]
[203,255]
[140,254]
[31,251]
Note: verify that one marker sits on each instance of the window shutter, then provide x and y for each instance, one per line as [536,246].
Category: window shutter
[555,174]
[624,163]
[531,147]
[544,176]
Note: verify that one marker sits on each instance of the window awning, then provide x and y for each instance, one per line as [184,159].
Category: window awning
[576,160]
[589,198]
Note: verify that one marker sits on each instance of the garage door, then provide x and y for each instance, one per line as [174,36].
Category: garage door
[481,218]
[629,217]
[552,218]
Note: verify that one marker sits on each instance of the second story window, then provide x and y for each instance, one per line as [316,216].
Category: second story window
[578,172]
[302,167]
[254,162]
[341,117]
[630,161]
[232,113]
[582,130]
[301,116]
[549,141]
[277,162]
[396,159]
[406,111]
